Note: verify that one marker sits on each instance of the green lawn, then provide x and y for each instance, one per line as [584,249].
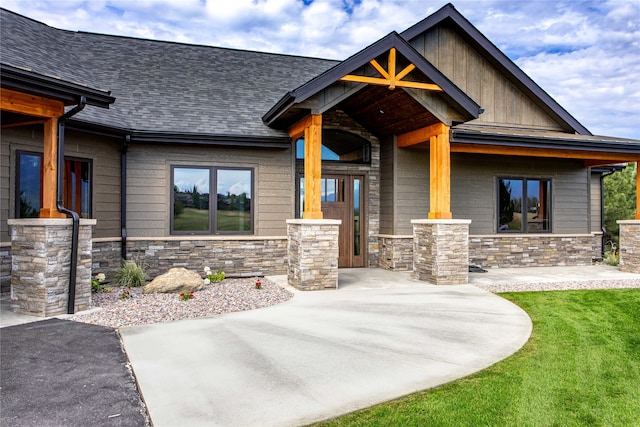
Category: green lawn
[581,367]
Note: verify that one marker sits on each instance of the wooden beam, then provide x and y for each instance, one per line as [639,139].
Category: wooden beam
[392,68]
[421,135]
[390,78]
[30,122]
[48,177]
[30,105]
[440,176]
[297,130]
[313,168]
[387,82]
[611,158]
[375,64]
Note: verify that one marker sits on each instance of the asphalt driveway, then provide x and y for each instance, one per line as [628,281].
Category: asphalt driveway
[61,373]
[320,354]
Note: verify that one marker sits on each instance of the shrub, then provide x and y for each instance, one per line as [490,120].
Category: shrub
[131,274]
[611,254]
[212,277]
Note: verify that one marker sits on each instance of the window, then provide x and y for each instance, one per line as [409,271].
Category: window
[193,211]
[76,185]
[524,205]
[340,146]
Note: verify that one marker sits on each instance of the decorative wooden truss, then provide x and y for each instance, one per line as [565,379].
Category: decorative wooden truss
[390,77]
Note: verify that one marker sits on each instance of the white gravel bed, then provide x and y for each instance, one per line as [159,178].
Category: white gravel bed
[227,296]
[560,286]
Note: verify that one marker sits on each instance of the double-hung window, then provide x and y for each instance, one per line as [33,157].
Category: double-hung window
[524,205]
[76,185]
[196,210]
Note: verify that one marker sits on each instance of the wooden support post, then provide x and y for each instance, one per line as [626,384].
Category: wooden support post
[313,168]
[637,190]
[440,176]
[49,171]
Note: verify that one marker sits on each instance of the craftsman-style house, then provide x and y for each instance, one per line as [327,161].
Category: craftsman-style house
[188,155]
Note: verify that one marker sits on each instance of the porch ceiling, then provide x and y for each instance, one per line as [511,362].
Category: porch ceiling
[387,112]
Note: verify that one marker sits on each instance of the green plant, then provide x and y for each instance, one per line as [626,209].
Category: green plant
[131,274]
[579,368]
[186,296]
[212,277]
[611,254]
[96,283]
[125,294]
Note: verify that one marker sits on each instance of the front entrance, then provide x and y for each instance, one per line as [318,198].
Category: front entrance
[342,198]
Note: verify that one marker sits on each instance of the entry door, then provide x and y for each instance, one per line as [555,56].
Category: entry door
[342,199]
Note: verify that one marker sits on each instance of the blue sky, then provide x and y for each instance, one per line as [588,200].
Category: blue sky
[586,54]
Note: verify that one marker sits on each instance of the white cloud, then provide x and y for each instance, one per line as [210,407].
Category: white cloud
[583,53]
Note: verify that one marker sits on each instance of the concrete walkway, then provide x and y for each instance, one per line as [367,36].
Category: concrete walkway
[321,354]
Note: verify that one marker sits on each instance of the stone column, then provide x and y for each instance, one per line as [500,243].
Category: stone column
[441,250]
[313,253]
[40,265]
[630,246]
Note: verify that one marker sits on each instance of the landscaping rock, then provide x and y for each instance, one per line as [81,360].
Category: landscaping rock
[175,281]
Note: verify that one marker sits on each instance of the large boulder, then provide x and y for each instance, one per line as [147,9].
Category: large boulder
[175,281]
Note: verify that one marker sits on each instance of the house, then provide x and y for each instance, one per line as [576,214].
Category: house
[427,150]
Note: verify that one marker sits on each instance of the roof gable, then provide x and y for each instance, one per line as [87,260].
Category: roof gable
[450,92]
[448,15]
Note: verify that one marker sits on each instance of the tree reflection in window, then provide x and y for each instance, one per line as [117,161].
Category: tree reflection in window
[524,205]
[191,199]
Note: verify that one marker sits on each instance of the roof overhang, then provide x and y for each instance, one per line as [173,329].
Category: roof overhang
[26,81]
[594,150]
[280,115]
[151,137]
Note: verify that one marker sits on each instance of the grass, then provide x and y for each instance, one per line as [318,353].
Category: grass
[198,220]
[581,367]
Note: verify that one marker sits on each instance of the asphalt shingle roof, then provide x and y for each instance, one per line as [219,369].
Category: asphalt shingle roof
[161,86]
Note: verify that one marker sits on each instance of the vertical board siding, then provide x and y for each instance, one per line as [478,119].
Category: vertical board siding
[502,101]
[149,186]
[105,155]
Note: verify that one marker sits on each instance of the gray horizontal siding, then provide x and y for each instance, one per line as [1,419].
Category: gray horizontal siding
[149,192]
[105,155]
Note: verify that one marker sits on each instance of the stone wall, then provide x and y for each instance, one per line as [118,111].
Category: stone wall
[41,255]
[441,251]
[630,246]
[597,246]
[236,256]
[107,256]
[313,253]
[396,252]
[5,267]
[531,250]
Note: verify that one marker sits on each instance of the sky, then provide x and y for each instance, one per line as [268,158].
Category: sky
[585,54]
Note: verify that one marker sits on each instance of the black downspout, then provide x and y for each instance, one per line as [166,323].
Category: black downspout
[604,231]
[71,302]
[123,195]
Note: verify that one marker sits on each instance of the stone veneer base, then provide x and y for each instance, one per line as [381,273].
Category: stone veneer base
[441,251]
[630,246]
[40,265]
[313,253]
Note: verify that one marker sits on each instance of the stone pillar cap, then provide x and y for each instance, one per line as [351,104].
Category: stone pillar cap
[441,221]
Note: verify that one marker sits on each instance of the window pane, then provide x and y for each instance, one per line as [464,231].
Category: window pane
[538,204]
[77,187]
[191,199]
[510,205]
[234,200]
[29,186]
[356,217]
